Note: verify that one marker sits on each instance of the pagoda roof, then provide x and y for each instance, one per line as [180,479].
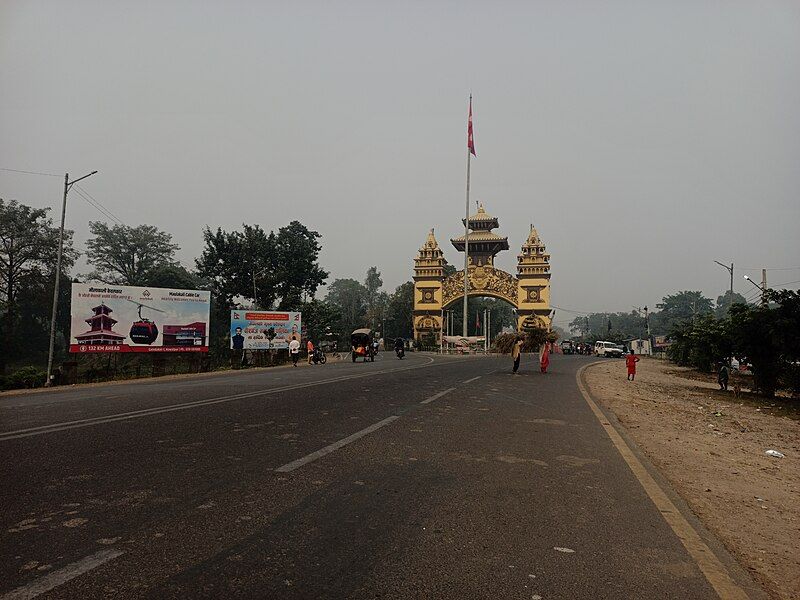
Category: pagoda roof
[481,236]
[100,332]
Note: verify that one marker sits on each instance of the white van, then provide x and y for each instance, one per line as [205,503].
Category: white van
[607,349]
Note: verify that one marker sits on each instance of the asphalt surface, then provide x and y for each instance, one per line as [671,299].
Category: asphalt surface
[431,477]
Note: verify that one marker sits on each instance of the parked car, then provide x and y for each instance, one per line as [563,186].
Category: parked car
[608,349]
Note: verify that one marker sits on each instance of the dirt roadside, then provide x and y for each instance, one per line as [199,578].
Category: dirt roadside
[711,447]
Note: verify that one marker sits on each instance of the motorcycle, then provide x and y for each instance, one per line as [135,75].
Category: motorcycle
[400,352]
[318,357]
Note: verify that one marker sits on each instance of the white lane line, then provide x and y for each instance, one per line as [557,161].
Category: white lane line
[296,464]
[61,576]
[471,380]
[135,414]
[437,396]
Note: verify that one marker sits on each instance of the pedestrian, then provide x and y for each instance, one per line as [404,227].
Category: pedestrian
[544,357]
[294,350]
[310,350]
[630,362]
[722,377]
[516,354]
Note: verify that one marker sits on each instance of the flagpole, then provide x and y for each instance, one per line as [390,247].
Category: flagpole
[466,234]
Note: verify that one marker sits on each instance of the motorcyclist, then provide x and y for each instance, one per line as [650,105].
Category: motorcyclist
[399,347]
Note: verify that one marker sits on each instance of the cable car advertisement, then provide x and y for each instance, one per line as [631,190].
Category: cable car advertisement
[262,330]
[121,318]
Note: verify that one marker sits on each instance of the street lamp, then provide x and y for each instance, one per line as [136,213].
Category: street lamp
[256,274]
[762,288]
[67,185]
[730,269]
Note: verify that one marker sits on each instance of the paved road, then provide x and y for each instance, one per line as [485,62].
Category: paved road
[432,477]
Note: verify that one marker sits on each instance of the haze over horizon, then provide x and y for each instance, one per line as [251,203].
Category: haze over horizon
[644,140]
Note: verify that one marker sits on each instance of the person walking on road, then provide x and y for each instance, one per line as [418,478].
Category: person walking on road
[516,354]
[294,351]
[310,350]
[630,362]
[544,357]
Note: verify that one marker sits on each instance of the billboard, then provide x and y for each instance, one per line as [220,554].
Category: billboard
[250,329]
[122,318]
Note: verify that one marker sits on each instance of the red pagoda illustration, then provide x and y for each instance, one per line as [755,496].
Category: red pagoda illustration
[101,333]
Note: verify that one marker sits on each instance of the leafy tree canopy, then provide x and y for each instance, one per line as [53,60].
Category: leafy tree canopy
[126,255]
[28,252]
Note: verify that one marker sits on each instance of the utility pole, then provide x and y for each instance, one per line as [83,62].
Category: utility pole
[67,185]
[730,298]
[764,287]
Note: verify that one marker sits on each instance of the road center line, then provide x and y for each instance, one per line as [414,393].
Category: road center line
[61,576]
[471,380]
[437,396]
[714,571]
[135,414]
[296,464]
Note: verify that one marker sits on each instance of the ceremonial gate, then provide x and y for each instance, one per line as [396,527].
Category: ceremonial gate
[528,292]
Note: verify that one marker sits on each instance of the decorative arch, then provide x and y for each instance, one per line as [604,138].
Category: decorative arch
[528,292]
[483,280]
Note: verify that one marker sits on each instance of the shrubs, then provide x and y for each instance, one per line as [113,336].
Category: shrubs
[24,378]
[767,337]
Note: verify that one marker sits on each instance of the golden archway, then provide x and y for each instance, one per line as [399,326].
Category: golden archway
[528,292]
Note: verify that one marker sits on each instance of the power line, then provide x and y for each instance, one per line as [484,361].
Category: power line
[786,283]
[100,208]
[30,172]
[113,216]
[577,312]
[775,269]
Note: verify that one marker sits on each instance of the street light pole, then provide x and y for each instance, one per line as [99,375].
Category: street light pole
[67,185]
[762,287]
[255,293]
[730,299]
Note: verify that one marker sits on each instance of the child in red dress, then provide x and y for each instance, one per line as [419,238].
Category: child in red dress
[630,362]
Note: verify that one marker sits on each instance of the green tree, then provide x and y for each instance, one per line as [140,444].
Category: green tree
[297,272]
[400,312]
[349,298]
[28,250]
[701,343]
[125,255]
[375,300]
[754,340]
[232,261]
[725,301]
[679,307]
[173,276]
[321,320]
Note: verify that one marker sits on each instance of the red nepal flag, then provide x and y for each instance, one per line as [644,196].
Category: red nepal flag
[470,140]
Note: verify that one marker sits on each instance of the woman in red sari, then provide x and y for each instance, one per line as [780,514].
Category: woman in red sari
[630,362]
[544,357]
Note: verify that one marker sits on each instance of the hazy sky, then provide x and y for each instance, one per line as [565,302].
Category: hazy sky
[644,139]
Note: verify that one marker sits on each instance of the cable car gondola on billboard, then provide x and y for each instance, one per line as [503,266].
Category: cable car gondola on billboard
[144,331]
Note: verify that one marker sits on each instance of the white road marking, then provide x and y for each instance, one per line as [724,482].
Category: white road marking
[296,464]
[566,550]
[135,414]
[437,396]
[471,380]
[61,576]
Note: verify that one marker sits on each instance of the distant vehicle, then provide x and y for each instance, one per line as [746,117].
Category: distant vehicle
[318,357]
[567,347]
[608,349]
[361,345]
